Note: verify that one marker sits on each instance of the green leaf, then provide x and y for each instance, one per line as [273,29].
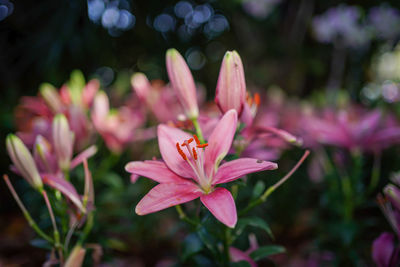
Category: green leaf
[113,180]
[208,240]
[41,243]
[255,222]
[191,245]
[258,189]
[265,251]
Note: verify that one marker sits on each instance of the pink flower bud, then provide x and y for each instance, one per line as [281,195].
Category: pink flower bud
[141,85]
[44,156]
[51,96]
[182,81]
[23,161]
[231,86]
[63,140]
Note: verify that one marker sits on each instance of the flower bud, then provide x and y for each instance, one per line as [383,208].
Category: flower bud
[393,194]
[44,156]
[231,86]
[141,85]
[182,82]
[63,140]
[75,259]
[23,161]
[51,97]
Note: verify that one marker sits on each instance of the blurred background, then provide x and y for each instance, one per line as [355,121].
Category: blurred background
[303,47]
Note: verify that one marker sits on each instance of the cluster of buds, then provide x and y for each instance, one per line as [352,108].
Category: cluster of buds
[34,116]
[50,161]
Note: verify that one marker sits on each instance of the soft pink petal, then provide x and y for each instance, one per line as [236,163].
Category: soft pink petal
[155,170]
[220,141]
[235,169]
[163,196]
[89,91]
[238,255]
[221,204]
[64,187]
[134,178]
[167,139]
[84,155]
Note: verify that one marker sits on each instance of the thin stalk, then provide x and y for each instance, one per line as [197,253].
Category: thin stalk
[69,235]
[347,192]
[184,217]
[55,229]
[227,243]
[198,130]
[272,188]
[27,215]
[376,171]
[87,229]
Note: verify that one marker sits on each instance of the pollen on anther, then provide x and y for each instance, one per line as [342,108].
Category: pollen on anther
[202,145]
[196,139]
[194,153]
[257,99]
[183,155]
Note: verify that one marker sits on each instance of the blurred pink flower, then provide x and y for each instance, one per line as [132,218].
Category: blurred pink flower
[186,176]
[352,128]
[384,252]
[117,127]
[260,136]
[159,98]
[238,255]
[34,115]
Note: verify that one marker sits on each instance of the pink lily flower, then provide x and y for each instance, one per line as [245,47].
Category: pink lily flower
[261,137]
[182,81]
[231,87]
[196,172]
[117,128]
[353,128]
[159,98]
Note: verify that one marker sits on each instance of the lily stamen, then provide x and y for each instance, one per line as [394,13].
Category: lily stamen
[181,152]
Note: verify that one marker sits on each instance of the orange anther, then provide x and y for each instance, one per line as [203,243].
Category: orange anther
[194,153]
[257,99]
[197,140]
[183,155]
[190,140]
[202,145]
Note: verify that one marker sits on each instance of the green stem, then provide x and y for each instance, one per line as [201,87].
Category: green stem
[347,192]
[184,217]
[376,171]
[57,242]
[272,188]
[227,243]
[87,229]
[198,130]
[27,216]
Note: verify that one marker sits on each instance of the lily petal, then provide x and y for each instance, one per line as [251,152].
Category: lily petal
[235,169]
[64,187]
[238,255]
[155,170]
[163,196]
[84,155]
[382,249]
[221,204]
[167,139]
[220,141]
